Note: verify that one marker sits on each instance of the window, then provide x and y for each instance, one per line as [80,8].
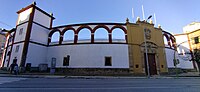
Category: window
[66,60]
[196,40]
[4,39]
[108,61]
[10,39]
[2,45]
[8,54]
[17,48]
[20,31]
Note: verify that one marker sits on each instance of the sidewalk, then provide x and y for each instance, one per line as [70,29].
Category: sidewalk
[48,75]
[188,74]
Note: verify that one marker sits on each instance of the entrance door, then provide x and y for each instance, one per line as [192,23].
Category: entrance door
[152,64]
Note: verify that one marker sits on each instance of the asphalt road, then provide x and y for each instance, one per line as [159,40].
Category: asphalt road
[98,85]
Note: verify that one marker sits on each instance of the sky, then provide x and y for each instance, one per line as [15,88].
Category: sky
[172,15]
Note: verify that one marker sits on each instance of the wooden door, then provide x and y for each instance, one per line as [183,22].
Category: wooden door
[152,64]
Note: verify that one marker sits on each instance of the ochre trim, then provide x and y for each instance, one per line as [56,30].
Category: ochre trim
[41,25]
[27,38]
[101,26]
[34,23]
[38,43]
[82,27]
[51,33]
[180,34]
[22,23]
[120,27]
[195,67]
[6,49]
[86,43]
[110,38]
[13,39]
[66,29]
[89,24]
[35,7]
[26,8]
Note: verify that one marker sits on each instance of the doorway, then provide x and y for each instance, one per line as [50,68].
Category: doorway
[152,64]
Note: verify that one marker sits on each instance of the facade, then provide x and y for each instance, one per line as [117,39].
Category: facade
[191,37]
[2,43]
[34,43]
[183,52]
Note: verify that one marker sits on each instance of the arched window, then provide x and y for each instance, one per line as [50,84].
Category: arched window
[165,40]
[55,37]
[68,36]
[101,35]
[171,42]
[84,35]
[118,35]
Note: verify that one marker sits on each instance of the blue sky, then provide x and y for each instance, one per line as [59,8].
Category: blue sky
[172,15]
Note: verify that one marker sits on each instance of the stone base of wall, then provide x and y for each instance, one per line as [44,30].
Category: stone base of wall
[174,70]
[164,73]
[93,71]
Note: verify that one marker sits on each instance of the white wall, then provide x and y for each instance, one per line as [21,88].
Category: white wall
[39,34]
[170,57]
[184,52]
[7,57]
[182,40]
[21,37]
[11,36]
[42,19]
[36,54]
[184,64]
[191,27]
[24,16]
[17,54]
[90,55]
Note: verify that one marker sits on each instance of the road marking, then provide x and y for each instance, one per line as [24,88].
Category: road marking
[36,88]
[9,79]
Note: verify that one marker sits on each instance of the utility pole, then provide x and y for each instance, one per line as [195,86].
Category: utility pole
[146,52]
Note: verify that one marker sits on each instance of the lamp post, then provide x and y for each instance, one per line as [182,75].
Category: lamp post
[146,53]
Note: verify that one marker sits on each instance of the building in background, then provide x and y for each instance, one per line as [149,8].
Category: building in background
[187,42]
[2,44]
[193,34]
[36,43]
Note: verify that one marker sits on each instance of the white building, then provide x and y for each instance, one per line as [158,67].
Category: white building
[33,43]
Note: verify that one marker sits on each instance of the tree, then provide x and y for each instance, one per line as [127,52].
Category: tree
[196,57]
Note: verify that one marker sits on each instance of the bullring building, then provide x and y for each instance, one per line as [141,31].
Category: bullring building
[34,43]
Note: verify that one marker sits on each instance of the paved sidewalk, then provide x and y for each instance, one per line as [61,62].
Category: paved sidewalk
[188,74]
[48,75]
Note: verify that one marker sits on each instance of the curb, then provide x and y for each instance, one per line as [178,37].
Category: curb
[97,77]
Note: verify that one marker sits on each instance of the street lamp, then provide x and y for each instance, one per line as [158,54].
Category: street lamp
[149,17]
[146,53]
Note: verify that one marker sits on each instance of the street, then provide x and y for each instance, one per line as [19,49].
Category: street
[99,85]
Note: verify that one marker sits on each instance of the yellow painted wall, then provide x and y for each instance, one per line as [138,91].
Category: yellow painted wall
[135,33]
[191,36]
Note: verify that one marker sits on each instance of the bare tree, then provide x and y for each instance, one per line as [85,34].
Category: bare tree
[196,57]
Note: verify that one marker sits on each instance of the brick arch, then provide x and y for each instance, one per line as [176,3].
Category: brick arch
[65,30]
[68,28]
[97,27]
[120,27]
[168,39]
[173,40]
[79,29]
[51,33]
[101,26]
[82,27]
